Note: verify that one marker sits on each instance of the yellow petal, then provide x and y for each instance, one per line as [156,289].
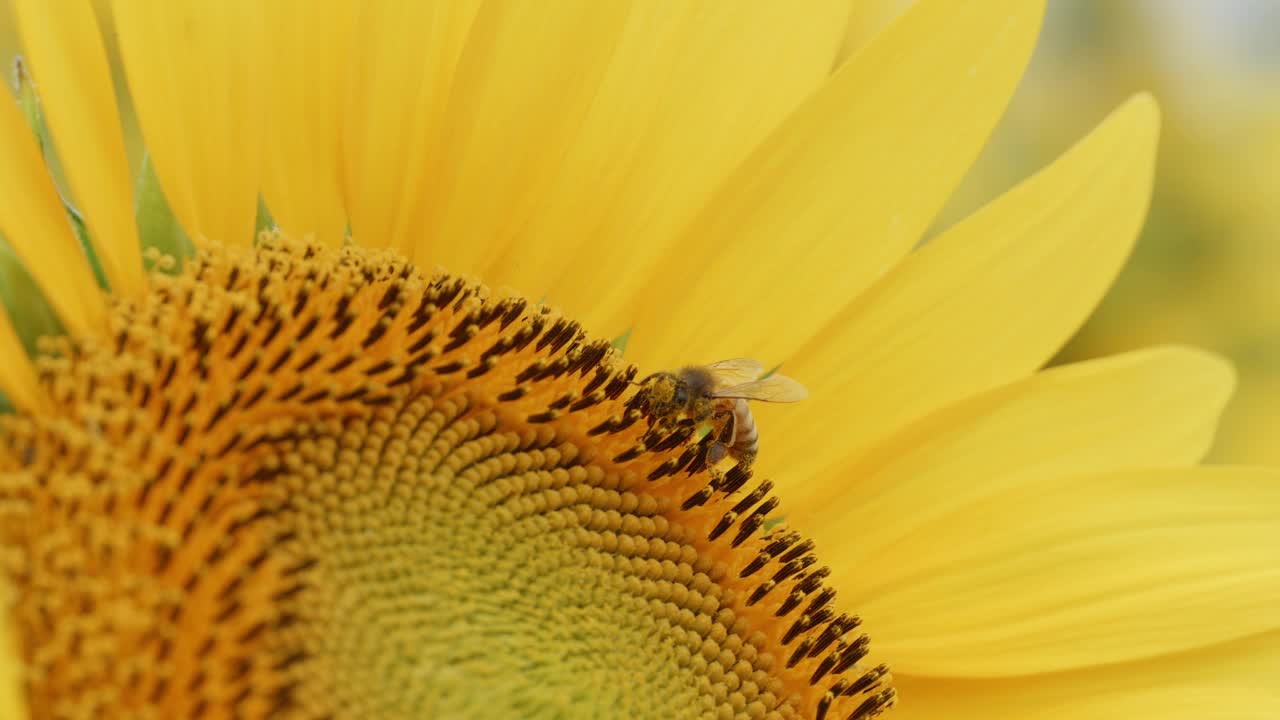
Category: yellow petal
[18,381]
[689,90]
[1153,408]
[1232,681]
[400,83]
[305,73]
[989,301]
[1068,572]
[841,190]
[868,18]
[194,75]
[32,219]
[928,700]
[13,705]
[526,80]
[69,62]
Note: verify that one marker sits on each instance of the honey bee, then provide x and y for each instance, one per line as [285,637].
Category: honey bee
[719,393]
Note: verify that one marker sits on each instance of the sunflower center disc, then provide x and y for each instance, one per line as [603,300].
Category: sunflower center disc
[311,481]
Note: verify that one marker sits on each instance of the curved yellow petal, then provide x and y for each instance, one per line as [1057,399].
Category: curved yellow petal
[399,88]
[305,74]
[928,700]
[1233,681]
[19,383]
[1067,572]
[194,75]
[867,19]
[69,62]
[34,222]
[841,191]
[527,78]
[987,302]
[689,90]
[13,704]
[1153,408]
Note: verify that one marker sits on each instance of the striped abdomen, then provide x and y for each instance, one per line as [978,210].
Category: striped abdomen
[745,441]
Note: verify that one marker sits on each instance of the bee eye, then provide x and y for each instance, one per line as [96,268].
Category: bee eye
[681,395]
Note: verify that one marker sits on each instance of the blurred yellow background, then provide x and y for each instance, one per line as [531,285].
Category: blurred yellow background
[1205,271]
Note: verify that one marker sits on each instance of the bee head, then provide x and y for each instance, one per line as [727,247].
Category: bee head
[665,394]
[680,394]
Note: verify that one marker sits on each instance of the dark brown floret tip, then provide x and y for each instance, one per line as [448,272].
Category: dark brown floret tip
[310,480]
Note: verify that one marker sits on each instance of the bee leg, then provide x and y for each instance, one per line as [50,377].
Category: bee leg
[724,441]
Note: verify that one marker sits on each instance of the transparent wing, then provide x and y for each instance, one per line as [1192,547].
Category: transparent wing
[775,388]
[737,371]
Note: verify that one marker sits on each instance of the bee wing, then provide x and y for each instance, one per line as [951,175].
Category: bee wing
[775,388]
[737,371]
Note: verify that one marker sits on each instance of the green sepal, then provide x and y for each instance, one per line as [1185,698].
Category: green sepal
[86,244]
[620,343]
[29,103]
[157,226]
[263,221]
[29,312]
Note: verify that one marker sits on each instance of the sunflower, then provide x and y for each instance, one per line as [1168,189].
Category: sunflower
[266,459]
